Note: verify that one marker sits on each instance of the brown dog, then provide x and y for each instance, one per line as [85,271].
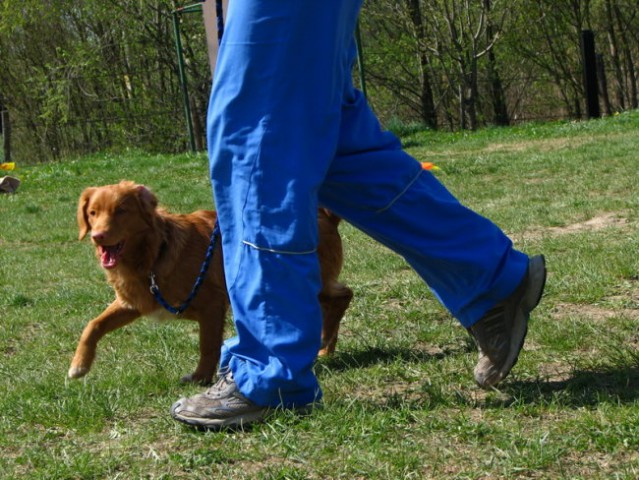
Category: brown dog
[134,240]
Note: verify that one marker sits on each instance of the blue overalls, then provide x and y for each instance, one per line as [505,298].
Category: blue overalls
[288,132]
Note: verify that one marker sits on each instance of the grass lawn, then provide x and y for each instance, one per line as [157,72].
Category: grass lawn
[400,400]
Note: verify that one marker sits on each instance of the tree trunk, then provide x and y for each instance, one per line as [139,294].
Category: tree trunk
[603,84]
[473,95]
[428,114]
[497,95]
[6,134]
[614,55]
[631,76]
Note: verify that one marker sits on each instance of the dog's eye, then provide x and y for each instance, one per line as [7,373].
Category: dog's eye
[92,213]
[120,210]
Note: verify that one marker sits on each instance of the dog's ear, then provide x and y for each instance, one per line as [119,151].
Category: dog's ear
[83,219]
[147,201]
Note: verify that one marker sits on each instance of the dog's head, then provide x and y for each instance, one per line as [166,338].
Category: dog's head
[114,214]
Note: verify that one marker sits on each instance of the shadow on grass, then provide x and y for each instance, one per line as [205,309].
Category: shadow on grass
[615,380]
[369,356]
[583,388]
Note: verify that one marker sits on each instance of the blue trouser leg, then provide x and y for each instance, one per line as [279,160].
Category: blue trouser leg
[272,128]
[466,260]
[287,132]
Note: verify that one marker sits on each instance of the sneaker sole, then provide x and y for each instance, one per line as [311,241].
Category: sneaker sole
[536,283]
[236,422]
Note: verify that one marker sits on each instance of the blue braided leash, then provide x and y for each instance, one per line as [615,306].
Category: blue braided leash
[155,290]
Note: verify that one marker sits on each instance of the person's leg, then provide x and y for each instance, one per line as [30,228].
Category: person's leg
[466,259]
[284,128]
[468,262]
[273,128]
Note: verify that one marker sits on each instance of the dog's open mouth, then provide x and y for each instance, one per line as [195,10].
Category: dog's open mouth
[110,254]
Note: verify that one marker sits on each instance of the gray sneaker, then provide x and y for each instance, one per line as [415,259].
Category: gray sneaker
[500,333]
[221,406]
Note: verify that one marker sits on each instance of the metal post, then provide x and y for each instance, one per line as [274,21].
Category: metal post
[589,60]
[183,83]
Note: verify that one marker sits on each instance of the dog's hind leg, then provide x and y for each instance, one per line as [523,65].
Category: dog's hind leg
[114,317]
[334,304]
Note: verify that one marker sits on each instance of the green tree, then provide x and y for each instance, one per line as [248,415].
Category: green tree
[83,76]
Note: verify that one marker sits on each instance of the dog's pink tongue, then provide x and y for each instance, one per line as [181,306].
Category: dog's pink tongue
[107,257]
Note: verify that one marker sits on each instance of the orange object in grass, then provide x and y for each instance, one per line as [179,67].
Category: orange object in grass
[429,166]
[7,166]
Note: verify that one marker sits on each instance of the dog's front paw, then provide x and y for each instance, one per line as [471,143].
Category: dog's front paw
[77,372]
[197,379]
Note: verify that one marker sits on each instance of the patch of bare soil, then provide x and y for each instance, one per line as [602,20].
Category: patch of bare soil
[545,145]
[593,313]
[555,371]
[600,222]
[585,464]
